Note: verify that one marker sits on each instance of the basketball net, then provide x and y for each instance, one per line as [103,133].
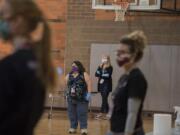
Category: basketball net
[120,9]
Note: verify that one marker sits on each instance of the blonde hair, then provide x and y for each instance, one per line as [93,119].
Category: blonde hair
[108,59]
[33,16]
[136,41]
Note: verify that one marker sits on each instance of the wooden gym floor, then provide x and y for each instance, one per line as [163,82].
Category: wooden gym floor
[59,125]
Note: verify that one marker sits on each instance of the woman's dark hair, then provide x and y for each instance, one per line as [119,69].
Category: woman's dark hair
[136,41]
[80,66]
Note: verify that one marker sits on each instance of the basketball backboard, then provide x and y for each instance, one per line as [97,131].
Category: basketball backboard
[134,4]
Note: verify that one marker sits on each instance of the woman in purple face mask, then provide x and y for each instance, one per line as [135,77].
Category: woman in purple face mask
[78,93]
[129,95]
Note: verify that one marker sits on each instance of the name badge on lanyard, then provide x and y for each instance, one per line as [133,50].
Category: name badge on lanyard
[101,81]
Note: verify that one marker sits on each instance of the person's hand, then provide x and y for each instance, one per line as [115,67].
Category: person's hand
[88,96]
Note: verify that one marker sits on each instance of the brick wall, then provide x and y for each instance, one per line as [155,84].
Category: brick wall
[75,26]
[86,26]
[55,12]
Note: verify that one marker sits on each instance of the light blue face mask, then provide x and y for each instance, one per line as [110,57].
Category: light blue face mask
[4,30]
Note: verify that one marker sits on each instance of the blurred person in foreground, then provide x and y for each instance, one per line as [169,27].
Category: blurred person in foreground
[27,73]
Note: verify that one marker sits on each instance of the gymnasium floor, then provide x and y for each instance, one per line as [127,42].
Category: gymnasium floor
[59,125]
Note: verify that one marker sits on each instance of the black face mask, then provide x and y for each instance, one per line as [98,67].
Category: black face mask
[122,62]
[4,30]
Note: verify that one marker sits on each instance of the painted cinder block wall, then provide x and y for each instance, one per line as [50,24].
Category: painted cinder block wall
[86,26]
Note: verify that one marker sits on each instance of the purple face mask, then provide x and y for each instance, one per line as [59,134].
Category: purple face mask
[122,62]
[75,69]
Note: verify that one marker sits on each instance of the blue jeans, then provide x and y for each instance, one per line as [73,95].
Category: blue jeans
[78,112]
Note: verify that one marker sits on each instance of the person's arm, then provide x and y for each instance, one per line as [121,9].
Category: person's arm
[136,94]
[133,108]
[88,82]
[108,74]
[98,72]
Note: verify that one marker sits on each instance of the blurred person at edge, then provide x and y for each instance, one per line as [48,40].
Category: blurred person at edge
[27,73]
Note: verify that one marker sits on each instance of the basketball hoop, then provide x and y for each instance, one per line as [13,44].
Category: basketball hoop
[120,9]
